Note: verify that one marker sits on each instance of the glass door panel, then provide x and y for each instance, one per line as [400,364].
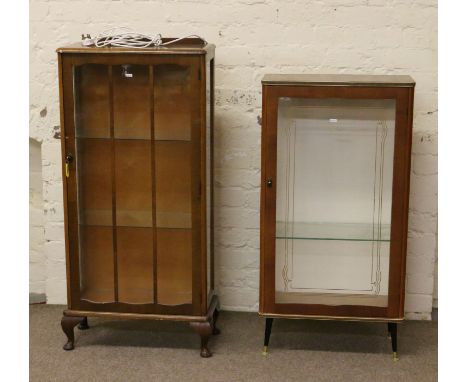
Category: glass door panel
[112,116]
[96,263]
[135,193]
[173,184]
[174,271]
[95,219]
[175,95]
[174,222]
[134,220]
[173,102]
[133,185]
[334,193]
[94,179]
[135,265]
[132,102]
[91,87]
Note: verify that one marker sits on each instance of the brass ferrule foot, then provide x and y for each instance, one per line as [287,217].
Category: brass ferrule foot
[265,350]
[395,356]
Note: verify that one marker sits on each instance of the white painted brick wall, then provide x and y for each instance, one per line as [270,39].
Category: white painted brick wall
[255,37]
[37,271]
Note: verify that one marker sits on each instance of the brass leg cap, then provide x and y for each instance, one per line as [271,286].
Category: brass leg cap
[395,356]
[265,350]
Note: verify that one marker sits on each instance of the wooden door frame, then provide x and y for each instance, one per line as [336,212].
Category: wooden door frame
[403,97]
[66,63]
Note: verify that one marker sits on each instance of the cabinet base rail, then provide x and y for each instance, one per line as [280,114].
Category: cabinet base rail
[204,326]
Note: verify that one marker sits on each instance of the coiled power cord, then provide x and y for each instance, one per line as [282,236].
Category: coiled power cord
[126,38]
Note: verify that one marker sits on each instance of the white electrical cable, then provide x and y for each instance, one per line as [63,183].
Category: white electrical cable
[126,38]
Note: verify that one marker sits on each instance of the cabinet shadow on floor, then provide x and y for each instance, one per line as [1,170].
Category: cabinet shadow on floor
[240,333]
[139,333]
[347,336]
[241,330]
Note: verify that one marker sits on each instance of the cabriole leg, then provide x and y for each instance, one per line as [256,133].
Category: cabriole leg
[266,341]
[83,325]
[392,328]
[68,324]
[204,330]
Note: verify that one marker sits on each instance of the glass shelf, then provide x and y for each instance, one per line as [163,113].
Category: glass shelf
[108,139]
[135,226]
[333,231]
[126,295]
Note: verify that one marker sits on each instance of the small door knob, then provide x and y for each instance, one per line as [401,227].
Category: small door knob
[269,182]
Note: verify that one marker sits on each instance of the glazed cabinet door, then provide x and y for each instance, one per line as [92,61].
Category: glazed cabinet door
[334,211]
[132,137]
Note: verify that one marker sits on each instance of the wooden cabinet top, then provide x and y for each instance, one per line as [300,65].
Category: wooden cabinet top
[189,46]
[339,80]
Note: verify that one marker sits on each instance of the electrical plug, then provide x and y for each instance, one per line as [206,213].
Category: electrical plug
[87,40]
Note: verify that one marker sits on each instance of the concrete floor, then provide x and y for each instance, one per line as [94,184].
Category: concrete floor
[300,350]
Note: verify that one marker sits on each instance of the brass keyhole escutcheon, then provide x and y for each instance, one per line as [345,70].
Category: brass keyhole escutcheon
[68,161]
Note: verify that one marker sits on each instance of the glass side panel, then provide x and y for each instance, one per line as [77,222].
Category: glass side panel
[208,174]
[334,193]
[172,102]
[132,102]
[174,270]
[135,265]
[91,87]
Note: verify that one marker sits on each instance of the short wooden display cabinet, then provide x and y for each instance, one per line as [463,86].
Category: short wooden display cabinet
[334,201]
[137,149]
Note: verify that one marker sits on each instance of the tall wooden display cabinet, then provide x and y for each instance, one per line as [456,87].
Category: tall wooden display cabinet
[137,147]
[336,153]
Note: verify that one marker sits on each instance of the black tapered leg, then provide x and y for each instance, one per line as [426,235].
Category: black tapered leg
[266,341]
[83,325]
[392,329]
[68,324]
